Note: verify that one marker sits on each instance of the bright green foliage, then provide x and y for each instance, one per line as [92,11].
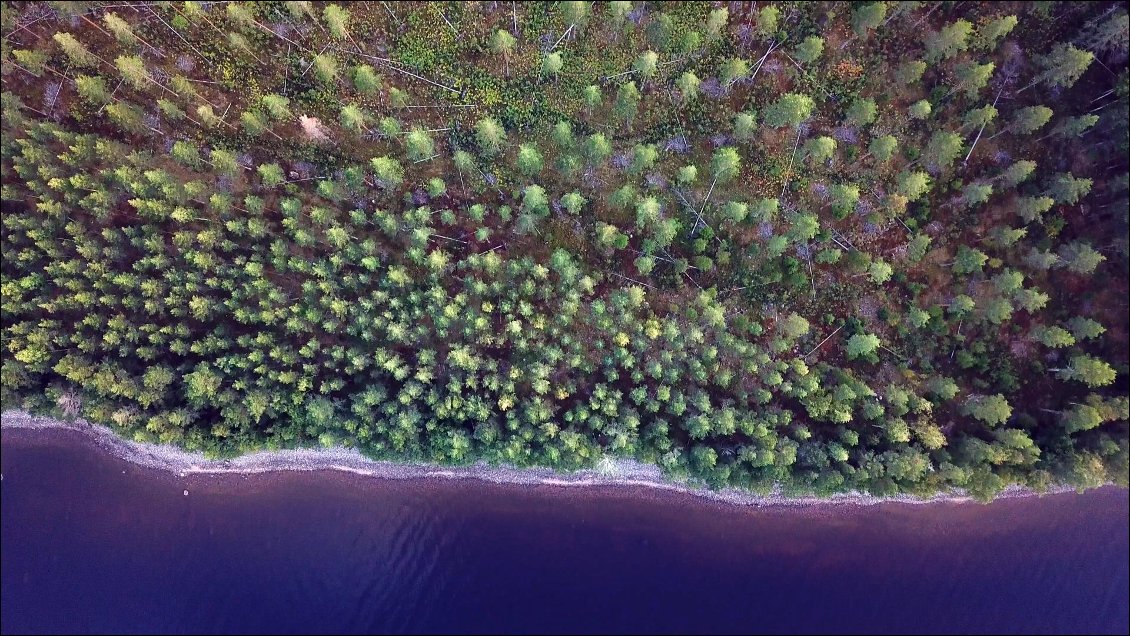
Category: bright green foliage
[1054,337]
[873,301]
[861,112]
[862,345]
[951,40]
[767,20]
[1030,119]
[490,137]
[868,16]
[990,33]
[990,409]
[76,52]
[352,118]
[646,64]
[809,50]
[943,149]
[819,149]
[972,77]
[688,84]
[365,79]
[920,109]
[552,64]
[337,20]
[1089,370]
[419,145]
[910,72]
[913,185]
[969,260]
[529,160]
[1017,173]
[883,148]
[733,70]
[1064,65]
[726,164]
[791,109]
[1080,257]
[325,68]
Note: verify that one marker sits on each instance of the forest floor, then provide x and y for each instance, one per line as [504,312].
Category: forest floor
[611,472]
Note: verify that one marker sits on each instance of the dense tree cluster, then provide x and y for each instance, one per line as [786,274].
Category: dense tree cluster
[824,246]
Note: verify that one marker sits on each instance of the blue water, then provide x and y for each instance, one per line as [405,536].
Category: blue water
[94,544]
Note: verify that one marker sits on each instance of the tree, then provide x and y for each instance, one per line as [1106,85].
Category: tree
[1089,370]
[529,160]
[278,107]
[979,117]
[1065,188]
[597,149]
[134,72]
[767,20]
[337,19]
[819,149]
[352,118]
[1017,173]
[844,197]
[535,201]
[861,112]
[883,148]
[419,145]
[365,79]
[734,70]
[688,84]
[92,90]
[913,185]
[991,32]
[809,50]
[867,17]
[1085,328]
[920,109]
[951,40]
[862,345]
[716,22]
[969,260]
[490,136]
[990,409]
[76,52]
[1053,337]
[388,172]
[552,64]
[972,77]
[745,127]
[1030,208]
[726,164]
[880,271]
[1080,257]
[120,28]
[944,147]
[627,102]
[325,67]
[1030,119]
[643,157]
[1063,66]
[910,72]
[975,194]
[646,64]
[792,109]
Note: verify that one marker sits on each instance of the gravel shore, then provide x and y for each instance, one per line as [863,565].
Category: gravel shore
[628,473]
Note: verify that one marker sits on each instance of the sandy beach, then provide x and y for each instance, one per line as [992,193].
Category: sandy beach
[619,472]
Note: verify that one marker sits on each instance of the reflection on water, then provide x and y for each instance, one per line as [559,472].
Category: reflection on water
[94,544]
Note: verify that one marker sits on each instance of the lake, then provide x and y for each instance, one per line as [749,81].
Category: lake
[92,543]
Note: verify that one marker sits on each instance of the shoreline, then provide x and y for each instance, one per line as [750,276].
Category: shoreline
[622,473]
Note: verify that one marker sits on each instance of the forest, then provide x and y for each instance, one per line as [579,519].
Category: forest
[812,246]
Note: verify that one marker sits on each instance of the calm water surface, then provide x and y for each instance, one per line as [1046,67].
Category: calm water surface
[91,543]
